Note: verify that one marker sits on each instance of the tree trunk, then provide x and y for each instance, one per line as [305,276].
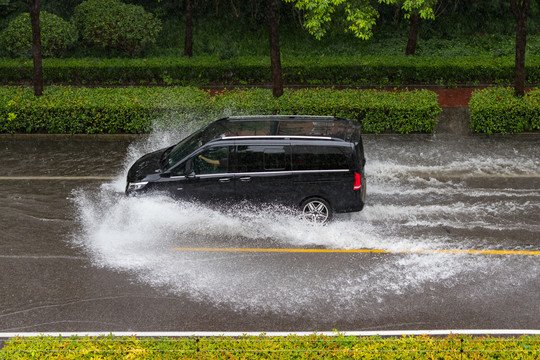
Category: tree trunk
[520,8]
[413,34]
[35,6]
[275,60]
[188,44]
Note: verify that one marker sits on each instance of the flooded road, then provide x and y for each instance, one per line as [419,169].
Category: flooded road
[450,238]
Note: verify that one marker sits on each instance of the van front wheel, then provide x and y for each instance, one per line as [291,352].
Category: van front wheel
[316,210]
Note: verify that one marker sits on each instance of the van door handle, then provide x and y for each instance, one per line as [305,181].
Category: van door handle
[245,179]
[225,180]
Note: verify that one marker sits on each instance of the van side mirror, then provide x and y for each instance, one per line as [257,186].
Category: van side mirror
[190,173]
[165,174]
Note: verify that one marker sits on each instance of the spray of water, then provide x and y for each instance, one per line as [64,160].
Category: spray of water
[406,211]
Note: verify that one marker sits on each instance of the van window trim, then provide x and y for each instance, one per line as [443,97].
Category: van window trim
[323,171]
[216,175]
[270,172]
[291,172]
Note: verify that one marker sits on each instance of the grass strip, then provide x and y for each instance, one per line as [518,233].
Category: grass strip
[290,347]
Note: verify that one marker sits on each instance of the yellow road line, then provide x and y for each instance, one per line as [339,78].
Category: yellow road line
[361,251]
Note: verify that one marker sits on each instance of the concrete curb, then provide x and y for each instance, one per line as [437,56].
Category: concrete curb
[454,120]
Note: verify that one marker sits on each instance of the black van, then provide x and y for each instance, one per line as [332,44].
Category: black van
[314,163]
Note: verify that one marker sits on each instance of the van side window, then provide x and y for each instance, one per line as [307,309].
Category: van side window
[307,157]
[212,161]
[260,158]
[275,158]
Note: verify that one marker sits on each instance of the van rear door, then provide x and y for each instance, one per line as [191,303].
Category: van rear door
[323,171]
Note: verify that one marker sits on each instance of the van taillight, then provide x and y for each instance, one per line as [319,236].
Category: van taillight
[357,181]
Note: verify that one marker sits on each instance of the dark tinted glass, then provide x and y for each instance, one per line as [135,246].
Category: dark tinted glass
[258,158]
[275,158]
[185,147]
[275,126]
[319,158]
[212,161]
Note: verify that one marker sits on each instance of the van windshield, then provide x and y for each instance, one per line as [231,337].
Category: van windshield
[184,148]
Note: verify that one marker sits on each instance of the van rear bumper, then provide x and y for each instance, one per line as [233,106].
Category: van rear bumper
[356,202]
[349,210]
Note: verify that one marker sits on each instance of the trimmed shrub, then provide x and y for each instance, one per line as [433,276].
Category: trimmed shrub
[350,71]
[498,110]
[95,110]
[140,110]
[379,111]
[57,35]
[111,24]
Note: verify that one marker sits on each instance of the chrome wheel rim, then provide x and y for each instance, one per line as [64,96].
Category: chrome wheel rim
[316,211]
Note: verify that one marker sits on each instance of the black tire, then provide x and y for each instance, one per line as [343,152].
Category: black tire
[317,210]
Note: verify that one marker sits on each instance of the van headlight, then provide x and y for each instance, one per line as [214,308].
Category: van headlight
[136,186]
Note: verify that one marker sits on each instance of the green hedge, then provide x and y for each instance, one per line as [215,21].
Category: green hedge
[289,347]
[141,109]
[345,70]
[497,110]
[379,111]
[93,110]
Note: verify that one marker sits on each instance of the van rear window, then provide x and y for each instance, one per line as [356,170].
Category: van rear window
[319,158]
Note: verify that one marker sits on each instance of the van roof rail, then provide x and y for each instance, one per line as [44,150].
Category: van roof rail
[283,117]
[224,137]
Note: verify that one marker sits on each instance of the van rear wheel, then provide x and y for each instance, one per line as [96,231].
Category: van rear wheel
[316,210]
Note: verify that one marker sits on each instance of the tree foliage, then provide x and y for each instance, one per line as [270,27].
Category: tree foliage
[111,24]
[360,15]
[57,35]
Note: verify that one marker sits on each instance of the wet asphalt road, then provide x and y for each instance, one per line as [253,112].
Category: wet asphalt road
[76,255]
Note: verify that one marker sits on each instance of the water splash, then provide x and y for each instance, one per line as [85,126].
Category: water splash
[404,212]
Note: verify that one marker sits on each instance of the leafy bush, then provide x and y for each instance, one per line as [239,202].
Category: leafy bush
[343,70]
[57,35]
[139,110]
[379,111]
[498,110]
[111,24]
[94,110]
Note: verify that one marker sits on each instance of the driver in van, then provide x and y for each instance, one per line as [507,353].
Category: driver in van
[218,162]
[213,162]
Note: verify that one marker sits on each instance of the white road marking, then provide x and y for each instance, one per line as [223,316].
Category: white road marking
[277,334]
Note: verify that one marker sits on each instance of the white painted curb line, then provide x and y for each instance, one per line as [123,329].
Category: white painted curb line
[274,334]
